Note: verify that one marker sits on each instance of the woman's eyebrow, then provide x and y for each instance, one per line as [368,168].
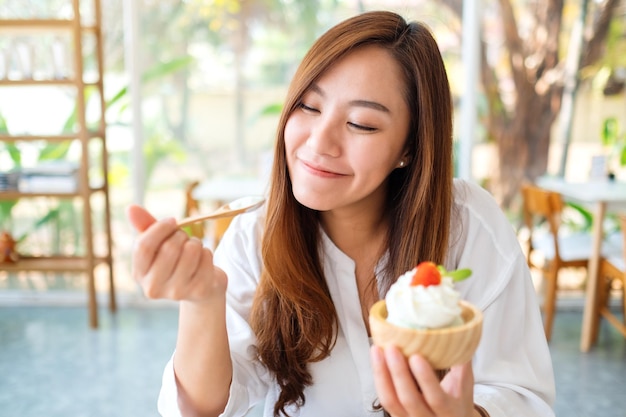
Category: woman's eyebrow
[370,104]
[359,103]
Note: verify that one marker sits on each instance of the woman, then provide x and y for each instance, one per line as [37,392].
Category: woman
[361,191]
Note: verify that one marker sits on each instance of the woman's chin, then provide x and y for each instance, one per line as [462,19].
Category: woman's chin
[315,201]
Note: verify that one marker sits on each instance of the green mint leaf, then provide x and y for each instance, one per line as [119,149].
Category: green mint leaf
[459,274]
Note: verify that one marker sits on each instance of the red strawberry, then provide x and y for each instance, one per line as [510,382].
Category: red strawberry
[426,274]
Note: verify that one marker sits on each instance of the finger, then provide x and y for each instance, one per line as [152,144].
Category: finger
[429,383]
[159,278]
[459,382]
[186,271]
[148,244]
[405,384]
[383,383]
[139,217]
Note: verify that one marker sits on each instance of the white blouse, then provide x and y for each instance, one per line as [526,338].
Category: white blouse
[512,365]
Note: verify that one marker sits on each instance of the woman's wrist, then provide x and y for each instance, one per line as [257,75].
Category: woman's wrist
[480,411]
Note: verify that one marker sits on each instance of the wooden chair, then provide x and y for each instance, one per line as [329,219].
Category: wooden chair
[612,276]
[217,227]
[192,208]
[543,207]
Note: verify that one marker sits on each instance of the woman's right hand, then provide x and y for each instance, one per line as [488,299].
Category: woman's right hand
[167,263]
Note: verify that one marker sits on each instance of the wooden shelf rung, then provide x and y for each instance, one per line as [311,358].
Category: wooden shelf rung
[52,264]
[56,138]
[35,24]
[39,82]
[41,25]
[14,195]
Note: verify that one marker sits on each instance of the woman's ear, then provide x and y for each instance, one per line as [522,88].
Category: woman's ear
[404,160]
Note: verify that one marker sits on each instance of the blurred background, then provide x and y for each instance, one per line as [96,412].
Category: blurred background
[177,92]
[212,76]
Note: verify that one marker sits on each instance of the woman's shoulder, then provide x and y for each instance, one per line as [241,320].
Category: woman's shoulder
[468,193]
[483,239]
[477,217]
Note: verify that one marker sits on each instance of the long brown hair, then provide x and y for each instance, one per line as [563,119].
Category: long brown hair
[293,314]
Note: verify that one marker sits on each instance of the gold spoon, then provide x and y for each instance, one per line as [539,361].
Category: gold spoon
[232,209]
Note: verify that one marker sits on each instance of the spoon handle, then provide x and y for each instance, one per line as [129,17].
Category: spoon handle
[232,209]
[195,219]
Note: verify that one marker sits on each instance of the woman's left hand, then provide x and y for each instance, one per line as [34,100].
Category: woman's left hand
[397,380]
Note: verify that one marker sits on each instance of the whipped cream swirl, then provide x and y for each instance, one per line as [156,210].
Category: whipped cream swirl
[419,307]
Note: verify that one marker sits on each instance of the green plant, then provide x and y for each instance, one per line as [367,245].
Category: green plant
[6,206]
[614,138]
[63,215]
[159,144]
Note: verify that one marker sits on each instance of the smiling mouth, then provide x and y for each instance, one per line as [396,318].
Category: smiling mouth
[319,171]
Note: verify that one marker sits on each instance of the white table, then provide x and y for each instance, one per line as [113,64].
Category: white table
[221,190]
[602,195]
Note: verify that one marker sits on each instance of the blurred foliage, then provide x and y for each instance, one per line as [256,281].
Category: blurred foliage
[62,215]
[6,206]
[62,212]
[614,138]
[159,143]
[611,67]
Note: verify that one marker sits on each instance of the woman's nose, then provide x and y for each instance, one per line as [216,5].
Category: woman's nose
[325,137]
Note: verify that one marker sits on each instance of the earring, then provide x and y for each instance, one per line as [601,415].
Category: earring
[401,164]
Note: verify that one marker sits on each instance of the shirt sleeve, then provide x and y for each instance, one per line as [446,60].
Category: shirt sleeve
[167,403]
[512,365]
[238,255]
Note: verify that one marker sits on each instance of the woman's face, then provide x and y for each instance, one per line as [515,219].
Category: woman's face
[348,133]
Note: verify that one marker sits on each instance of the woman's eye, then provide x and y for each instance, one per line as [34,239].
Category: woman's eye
[308,108]
[362,127]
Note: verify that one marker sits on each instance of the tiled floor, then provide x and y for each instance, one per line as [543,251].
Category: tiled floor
[53,365]
[591,384]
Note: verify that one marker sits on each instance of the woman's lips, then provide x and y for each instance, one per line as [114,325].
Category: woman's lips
[319,171]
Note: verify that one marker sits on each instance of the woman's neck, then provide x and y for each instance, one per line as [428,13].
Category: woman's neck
[362,235]
[359,230]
